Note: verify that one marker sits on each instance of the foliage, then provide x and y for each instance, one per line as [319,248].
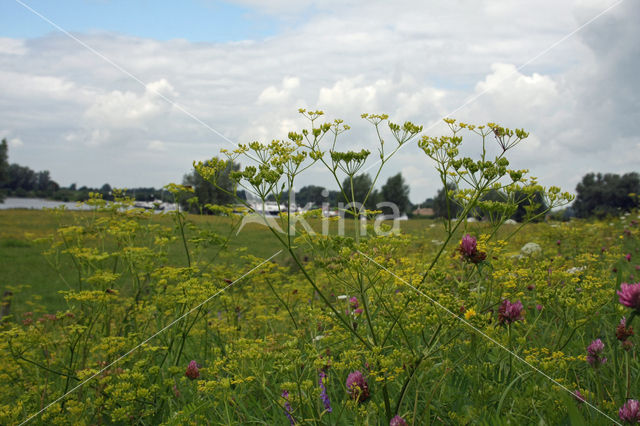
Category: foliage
[396,191]
[4,167]
[608,194]
[206,193]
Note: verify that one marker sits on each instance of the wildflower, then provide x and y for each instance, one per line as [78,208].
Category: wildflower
[323,391]
[539,307]
[469,313]
[469,250]
[622,331]
[192,371]
[397,421]
[510,312]
[357,386]
[578,396]
[287,407]
[630,295]
[628,257]
[468,245]
[594,351]
[354,302]
[630,411]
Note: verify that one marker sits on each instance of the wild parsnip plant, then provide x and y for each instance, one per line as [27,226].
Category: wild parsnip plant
[487,323]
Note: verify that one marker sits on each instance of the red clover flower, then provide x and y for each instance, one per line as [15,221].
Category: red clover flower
[630,411]
[357,386]
[630,295]
[594,351]
[510,312]
[193,371]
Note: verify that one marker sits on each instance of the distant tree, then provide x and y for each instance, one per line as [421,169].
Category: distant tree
[396,191]
[601,195]
[311,194]
[206,192]
[443,207]
[361,186]
[22,179]
[105,190]
[4,168]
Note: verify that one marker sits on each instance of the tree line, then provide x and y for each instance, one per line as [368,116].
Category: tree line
[23,182]
[597,195]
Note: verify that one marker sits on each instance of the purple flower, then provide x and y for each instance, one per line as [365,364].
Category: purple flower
[630,411]
[193,371]
[510,312]
[469,250]
[357,386]
[578,396]
[397,421]
[594,352]
[354,302]
[468,245]
[287,407]
[323,391]
[628,257]
[630,295]
[539,307]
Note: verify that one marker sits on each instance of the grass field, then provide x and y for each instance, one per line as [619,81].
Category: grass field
[335,333]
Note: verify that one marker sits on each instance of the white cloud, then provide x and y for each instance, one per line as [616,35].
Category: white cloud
[415,61]
[10,46]
[157,146]
[15,142]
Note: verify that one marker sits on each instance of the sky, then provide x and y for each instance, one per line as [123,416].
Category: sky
[130,93]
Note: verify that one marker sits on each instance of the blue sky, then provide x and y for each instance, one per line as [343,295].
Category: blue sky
[194,20]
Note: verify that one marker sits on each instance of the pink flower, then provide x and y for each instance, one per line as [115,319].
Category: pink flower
[630,411]
[357,386]
[510,312]
[628,257]
[354,302]
[578,396]
[192,371]
[468,245]
[539,307]
[594,352]
[397,421]
[469,250]
[630,295]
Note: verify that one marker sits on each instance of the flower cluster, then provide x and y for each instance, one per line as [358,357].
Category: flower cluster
[193,371]
[510,312]
[469,250]
[594,353]
[357,386]
[630,412]
[630,295]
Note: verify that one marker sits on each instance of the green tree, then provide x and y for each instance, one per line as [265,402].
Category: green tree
[608,194]
[396,191]
[206,192]
[4,168]
[361,187]
[311,194]
[444,206]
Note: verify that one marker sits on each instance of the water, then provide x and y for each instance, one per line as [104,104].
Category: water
[40,203]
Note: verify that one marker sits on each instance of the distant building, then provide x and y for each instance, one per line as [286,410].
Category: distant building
[423,211]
